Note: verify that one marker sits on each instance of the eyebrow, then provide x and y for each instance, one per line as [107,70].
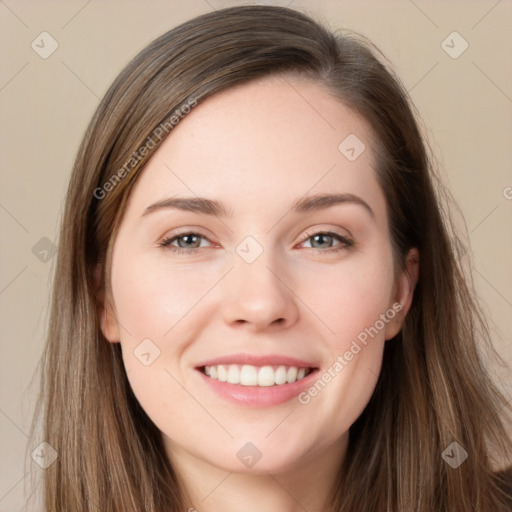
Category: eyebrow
[217,209]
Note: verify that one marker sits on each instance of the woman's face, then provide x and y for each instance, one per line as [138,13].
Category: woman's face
[256,279]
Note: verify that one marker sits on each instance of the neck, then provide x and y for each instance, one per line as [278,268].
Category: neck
[305,485]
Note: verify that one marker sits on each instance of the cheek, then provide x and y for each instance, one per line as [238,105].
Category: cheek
[355,303]
[155,307]
[151,297]
[350,298]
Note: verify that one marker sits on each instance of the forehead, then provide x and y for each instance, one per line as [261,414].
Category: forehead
[269,141]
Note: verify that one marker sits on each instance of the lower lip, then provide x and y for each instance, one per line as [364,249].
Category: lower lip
[256,396]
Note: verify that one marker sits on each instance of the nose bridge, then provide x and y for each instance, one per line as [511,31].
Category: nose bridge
[258,294]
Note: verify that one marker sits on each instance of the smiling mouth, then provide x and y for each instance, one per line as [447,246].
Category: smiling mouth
[260,376]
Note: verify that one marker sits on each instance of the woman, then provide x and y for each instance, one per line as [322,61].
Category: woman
[256,303]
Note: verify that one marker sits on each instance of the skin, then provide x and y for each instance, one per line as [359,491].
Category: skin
[257,148]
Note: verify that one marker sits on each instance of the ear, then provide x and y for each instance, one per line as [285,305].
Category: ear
[404,292]
[106,315]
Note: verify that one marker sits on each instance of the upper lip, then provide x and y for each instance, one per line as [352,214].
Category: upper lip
[257,360]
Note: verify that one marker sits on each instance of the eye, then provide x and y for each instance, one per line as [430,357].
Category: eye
[187,242]
[324,240]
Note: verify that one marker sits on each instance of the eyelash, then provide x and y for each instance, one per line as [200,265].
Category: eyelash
[345,243]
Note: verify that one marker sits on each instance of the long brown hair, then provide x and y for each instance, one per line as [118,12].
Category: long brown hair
[433,389]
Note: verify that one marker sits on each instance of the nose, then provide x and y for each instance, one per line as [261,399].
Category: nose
[259,297]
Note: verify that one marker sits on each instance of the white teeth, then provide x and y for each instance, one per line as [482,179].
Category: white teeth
[291,374]
[222,374]
[233,374]
[266,376]
[280,376]
[248,375]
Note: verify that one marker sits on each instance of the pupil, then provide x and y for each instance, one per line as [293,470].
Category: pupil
[316,237]
[185,239]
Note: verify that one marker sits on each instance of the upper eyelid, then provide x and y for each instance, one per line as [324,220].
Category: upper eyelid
[343,239]
[308,232]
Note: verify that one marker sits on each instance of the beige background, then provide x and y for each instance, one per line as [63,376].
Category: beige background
[45,104]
